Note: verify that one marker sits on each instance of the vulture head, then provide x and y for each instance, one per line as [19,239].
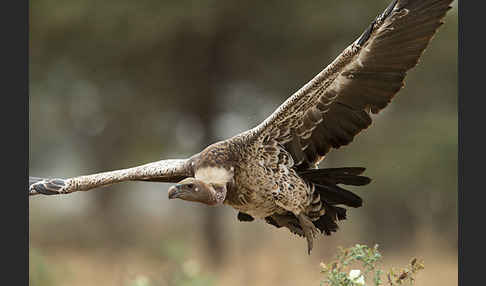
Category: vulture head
[194,190]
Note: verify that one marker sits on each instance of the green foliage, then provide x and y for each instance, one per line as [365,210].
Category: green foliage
[357,265]
[406,274]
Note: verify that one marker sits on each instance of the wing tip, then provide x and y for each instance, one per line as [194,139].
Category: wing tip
[367,33]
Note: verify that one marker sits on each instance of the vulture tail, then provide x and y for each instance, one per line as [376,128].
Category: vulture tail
[332,176]
[329,198]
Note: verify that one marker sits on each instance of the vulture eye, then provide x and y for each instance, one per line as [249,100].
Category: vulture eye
[190,186]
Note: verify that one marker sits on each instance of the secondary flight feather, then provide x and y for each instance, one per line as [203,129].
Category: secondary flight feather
[271,172]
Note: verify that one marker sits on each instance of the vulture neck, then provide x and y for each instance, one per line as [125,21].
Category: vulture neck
[217,178]
[214,175]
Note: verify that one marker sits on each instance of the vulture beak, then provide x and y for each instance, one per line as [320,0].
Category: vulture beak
[174,192]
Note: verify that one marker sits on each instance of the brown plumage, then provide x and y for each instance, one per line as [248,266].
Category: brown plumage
[270,172]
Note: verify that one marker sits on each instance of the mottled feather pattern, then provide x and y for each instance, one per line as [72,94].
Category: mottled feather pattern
[266,183]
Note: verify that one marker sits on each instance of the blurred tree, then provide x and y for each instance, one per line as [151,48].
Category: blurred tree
[202,100]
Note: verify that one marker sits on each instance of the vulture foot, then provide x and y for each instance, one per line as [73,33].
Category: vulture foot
[310,231]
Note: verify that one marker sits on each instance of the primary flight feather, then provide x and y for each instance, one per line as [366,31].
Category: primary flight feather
[271,172]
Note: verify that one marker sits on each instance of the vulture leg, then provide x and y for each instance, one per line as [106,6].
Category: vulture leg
[285,220]
[310,231]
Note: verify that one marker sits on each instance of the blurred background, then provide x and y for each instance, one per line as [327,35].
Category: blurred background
[115,84]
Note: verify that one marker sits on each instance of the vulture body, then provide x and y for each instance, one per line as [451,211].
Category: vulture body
[271,172]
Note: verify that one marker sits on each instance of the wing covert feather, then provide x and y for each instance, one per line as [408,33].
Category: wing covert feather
[336,104]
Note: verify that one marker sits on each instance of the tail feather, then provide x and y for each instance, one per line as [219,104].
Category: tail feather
[334,195]
[336,171]
[333,176]
[326,224]
[325,183]
[328,195]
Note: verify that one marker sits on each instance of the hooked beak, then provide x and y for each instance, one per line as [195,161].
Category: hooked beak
[174,192]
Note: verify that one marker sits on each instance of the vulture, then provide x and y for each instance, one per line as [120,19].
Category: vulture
[271,172]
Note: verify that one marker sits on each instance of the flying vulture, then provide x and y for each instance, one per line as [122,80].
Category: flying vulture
[271,172]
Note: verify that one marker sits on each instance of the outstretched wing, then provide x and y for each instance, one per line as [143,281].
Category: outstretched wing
[170,171]
[336,104]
